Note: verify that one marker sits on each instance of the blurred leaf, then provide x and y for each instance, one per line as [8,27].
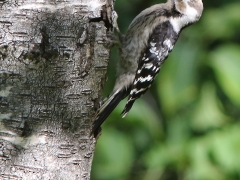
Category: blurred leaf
[226,149]
[201,167]
[225,61]
[141,115]
[221,26]
[164,153]
[207,112]
[115,151]
[175,81]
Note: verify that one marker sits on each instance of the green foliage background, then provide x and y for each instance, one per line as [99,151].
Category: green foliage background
[187,127]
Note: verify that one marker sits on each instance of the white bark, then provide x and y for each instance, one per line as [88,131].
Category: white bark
[52,69]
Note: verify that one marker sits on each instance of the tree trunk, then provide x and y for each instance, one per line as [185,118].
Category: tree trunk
[53,61]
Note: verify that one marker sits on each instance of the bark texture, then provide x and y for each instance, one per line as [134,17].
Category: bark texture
[53,61]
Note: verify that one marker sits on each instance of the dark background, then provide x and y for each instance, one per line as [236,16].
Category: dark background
[187,126]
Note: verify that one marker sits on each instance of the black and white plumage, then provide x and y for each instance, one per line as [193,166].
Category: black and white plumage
[160,43]
[147,43]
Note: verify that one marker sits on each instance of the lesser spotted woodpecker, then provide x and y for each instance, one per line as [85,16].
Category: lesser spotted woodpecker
[145,46]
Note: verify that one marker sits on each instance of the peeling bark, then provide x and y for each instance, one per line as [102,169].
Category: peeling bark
[53,61]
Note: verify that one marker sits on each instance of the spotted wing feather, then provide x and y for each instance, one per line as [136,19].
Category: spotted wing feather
[160,43]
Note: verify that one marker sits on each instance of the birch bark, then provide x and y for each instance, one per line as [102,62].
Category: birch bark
[53,61]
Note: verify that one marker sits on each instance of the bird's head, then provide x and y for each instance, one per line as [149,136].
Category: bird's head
[189,8]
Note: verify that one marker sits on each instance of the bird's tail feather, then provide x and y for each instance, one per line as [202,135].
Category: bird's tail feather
[107,108]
